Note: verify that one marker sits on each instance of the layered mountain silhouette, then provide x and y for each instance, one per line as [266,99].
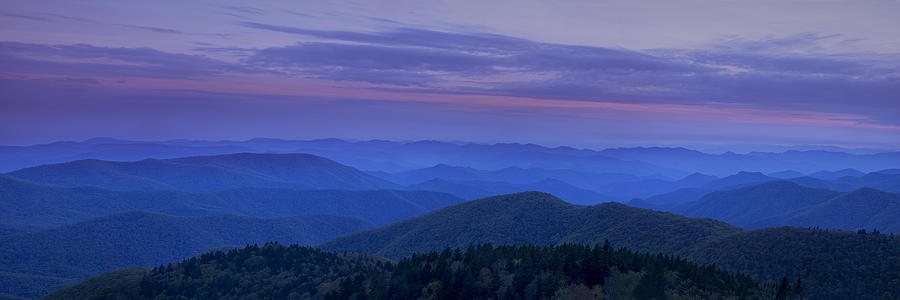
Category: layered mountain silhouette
[207,173]
[101,193]
[28,206]
[780,203]
[586,180]
[865,208]
[471,189]
[401,156]
[43,261]
[866,262]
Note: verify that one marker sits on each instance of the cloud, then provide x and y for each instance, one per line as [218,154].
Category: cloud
[768,72]
[245,9]
[740,72]
[154,29]
[24,17]
[86,60]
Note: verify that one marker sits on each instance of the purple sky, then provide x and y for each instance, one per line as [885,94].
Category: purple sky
[580,73]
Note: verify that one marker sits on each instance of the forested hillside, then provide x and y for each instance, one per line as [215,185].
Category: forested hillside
[28,206]
[541,219]
[34,264]
[785,203]
[478,272]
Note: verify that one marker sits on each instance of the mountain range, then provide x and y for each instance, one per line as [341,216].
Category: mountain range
[865,264]
[392,156]
[43,261]
[207,173]
[725,209]
[28,206]
[787,203]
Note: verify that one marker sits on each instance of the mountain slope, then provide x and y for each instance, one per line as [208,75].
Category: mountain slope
[861,209]
[541,219]
[479,272]
[401,156]
[747,205]
[380,206]
[514,175]
[832,264]
[98,245]
[649,187]
[207,173]
[528,218]
[780,203]
[832,175]
[473,189]
[28,206]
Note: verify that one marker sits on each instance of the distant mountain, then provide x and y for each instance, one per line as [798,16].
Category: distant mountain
[28,206]
[472,189]
[207,173]
[649,187]
[664,198]
[740,179]
[586,180]
[369,155]
[877,180]
[824,184]
[865,208]
[867,263]
[47,260]
[768,162]
[18,157]
[786,174]
[779,203]
[380,207]
[889,171]
[667,201]
[832,175]
[395,157]
[747,205]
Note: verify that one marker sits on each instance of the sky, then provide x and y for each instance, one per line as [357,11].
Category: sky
[699,74]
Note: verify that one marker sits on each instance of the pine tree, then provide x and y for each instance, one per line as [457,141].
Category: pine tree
[653,285]
[784,290]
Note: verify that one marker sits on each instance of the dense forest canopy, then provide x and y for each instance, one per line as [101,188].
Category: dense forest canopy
[567,271]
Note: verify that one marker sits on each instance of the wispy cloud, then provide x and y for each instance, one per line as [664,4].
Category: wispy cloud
[23,17]
[762,72]
[444,64]
[154,29]
[87,60]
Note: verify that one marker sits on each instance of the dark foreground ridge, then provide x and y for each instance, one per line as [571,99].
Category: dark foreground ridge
[833,264]
[479,272]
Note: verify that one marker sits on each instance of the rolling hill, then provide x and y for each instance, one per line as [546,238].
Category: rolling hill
[780,203]
[472,189]
[207,173]
[47,260]
[28,206]
[395,157]
[479,272]
[864,208]
[747,205]
[530,218]
[514,175]
[541,219]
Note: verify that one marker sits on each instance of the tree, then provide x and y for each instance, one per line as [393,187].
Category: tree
[798,289]
[784,290]
[653,285]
